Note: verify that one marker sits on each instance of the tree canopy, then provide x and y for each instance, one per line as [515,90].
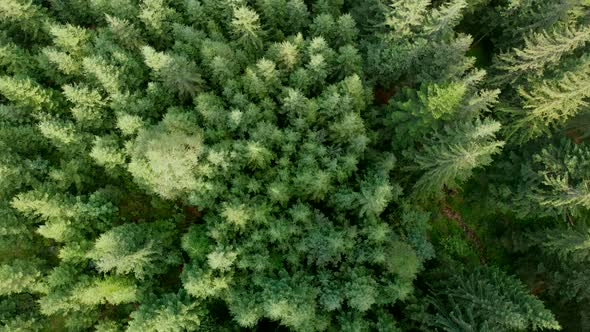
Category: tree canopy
[294,165]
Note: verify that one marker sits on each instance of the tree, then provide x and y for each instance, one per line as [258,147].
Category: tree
[141,250]
[24,92]
[171,312]
[22,15]
[541,50]
[488,300]
[247,134]
[176,73]
[18,277]
[420,39]
[552,102]
[246,27]
[448,160]
[168,158]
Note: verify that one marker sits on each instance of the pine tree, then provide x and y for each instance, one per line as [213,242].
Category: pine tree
[22,15]
[552,102]
[443,19]
[510,22]
[111,290]
[541,50]
[24,92]
[488,300]
[404,16]
[108,154]
[246,134]
[448,160]
[141,250]
[18,277]
[553,259]
[157,15]
[246,27]
[562,181]
[89,105]
[176,72]
[171,312]
[168,158]
[15,60]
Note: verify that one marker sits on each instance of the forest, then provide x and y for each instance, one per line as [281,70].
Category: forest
[294,165]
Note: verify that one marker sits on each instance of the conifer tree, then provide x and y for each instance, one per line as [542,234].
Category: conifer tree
[541,50]
[448,160]
[488,300]
[19,277]
[552,102]
[139,250]
[172,312]
[221,165]
[23,15]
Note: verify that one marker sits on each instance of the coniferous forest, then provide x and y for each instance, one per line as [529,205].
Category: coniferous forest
[294,165]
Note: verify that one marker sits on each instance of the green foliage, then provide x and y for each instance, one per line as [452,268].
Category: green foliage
[110,290]
[420,38]
[106,153]
[167,158]
[24,92]
[22,16]
[564,178]
[221,165]
[141,250]
[553,258]
[246,27]
[172,312]
[443,19]
[176,73]
[406,15]
[552,102]
[449,159]
[541,50]
[488,300]
[20,276]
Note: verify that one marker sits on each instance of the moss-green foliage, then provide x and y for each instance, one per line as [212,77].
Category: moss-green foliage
[532,202]
[224,165]
[487,299]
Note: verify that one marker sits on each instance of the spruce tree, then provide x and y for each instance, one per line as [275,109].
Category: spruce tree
[222,165]
[487,299]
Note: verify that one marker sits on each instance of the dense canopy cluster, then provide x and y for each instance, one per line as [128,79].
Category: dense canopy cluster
[297,165]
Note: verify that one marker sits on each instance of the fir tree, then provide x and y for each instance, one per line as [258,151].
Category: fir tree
[138,250]
[219,165]
[450,159]
[488,300]
[172,312]
[552,102]
[541,50]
